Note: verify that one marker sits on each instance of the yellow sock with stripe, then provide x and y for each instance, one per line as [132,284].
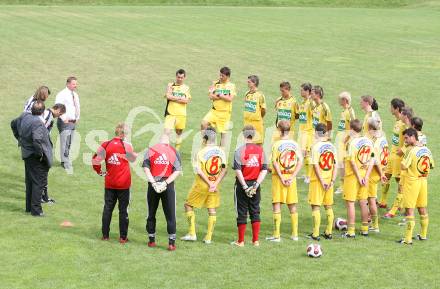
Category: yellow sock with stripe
[384,195]
[316,216]
[410,224]
[396,204]
[350,229]
[375,221]
[330,219]
[191,218]
[294,220]
[424,222]
[178,142]
[211,224]
[276,224]
[364,228]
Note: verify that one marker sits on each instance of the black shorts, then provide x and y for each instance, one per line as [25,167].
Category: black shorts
[245,205]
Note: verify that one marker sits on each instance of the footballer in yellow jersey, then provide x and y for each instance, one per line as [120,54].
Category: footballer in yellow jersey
[417,124]
[322,178]
[380,160]
[369,106]
[286,108]
[286,160]
[222,93]
[358,164]
[255,108]
[417,164]
[305,120]
[321,111]
[178,96]
[210,166]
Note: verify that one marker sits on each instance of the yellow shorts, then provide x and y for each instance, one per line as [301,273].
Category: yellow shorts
[259,130]
[305,140]
[353,190]
[317,195]
[415,194]
[394,166]
[199,197]
[218,119]
[175,122]
[283,194]
[372,185]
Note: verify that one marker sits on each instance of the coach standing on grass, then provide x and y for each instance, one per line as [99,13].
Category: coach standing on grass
[162,166]
[67,122]
[116,153]
[36,151]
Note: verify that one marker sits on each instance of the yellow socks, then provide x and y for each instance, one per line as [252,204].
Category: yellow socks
[316,216]
[276,224]
[211,223]
[330,219]
[375,221]
[384,195]
[294,220]
[424,221]
[410,224]
[191,218]
[364,228]
[397,203]
[350,229]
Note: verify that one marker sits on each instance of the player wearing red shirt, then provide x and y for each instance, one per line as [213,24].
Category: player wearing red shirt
[162,166]
[250,167]
[116,153]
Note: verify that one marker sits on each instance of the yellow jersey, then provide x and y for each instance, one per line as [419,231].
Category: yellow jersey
[253,103]
[305,111]
[360,150]
[321,114]
[381,153]
[223,89]
[286,109]
[210,160]
[371,114]
[323,155]
[175,108]
[418,162]
[397,137]
[347,115]
[287,154]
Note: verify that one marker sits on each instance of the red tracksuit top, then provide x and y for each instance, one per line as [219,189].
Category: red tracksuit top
[250,159]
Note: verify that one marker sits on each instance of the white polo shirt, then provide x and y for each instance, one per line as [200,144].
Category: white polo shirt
[66,97]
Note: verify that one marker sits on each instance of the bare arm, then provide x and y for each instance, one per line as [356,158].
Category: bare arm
[173,177]
[356,171]
[263,112]
[150,177]
[240,178]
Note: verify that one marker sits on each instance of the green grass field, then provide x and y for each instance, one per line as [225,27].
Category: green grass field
[124,57]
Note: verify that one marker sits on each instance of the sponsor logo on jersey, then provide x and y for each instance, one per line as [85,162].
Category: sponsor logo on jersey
[284,114]
[341,126]
[162,160]
[114,160]
[302,117]
[395,139]
[250,106]
[253,162]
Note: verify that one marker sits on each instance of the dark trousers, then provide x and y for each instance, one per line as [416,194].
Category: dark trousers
[36,179]
[168,199]
[112,196]
[245,205]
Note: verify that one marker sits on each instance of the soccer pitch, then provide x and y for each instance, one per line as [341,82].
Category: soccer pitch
[124,57]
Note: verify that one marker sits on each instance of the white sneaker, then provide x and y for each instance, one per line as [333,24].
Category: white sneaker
[189,237]
[294,238]
[375,230]
[237,244]
[207,242]
[339,191]
[306,180]
[273,239]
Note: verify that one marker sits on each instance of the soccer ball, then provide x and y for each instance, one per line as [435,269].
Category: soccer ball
[340,224]
[314,250]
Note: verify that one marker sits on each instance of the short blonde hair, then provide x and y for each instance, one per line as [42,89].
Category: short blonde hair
[345,95]
[121,129]
[373,123]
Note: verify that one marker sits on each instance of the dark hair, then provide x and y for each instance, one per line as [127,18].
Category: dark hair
[70,79]
[285,84]
[319,90]
[411,132]
[42,93]
[356,125]
[181,71]
[307,86]
[397,103]
[417,123]
[209,133]
[59,106]
[371,101]
[38,108]
[226,71]
[321,129]
[249,131]
[407,111]
[254,79]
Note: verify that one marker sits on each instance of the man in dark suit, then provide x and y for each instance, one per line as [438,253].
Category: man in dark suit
[36,151]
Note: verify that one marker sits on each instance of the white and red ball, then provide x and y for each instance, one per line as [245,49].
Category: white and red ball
[314,250]
[341,224]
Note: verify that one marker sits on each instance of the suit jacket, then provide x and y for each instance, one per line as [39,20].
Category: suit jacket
[34,138]
[15,126]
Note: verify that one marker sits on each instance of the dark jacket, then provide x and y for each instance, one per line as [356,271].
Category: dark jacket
[34,138]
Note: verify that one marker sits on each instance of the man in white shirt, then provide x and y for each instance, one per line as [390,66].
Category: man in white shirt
[67,122]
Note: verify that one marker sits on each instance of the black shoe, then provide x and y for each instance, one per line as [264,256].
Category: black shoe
[347,235]
[364,234]
[420,238]
[38,215]
[50,201]
[327,237]
[310,236]
[62,165]
[402,241]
